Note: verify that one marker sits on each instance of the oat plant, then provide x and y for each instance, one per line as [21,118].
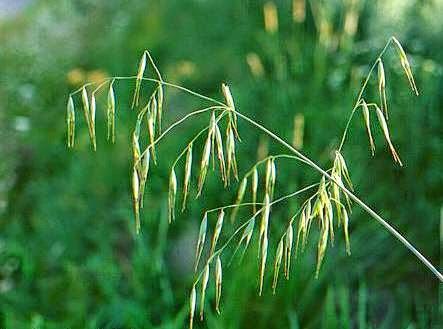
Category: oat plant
[325,205]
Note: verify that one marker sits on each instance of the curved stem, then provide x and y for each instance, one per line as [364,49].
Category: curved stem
[351,195]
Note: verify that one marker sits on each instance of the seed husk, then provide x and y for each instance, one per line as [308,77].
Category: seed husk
[218,283]
[201,240]
[70,121]
[187,178]
[111,113]
[172,195]
[240,195]
[385,130]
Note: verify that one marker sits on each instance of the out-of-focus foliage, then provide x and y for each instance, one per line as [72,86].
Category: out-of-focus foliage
[69,257]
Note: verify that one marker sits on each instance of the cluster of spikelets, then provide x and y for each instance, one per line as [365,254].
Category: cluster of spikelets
[327,207]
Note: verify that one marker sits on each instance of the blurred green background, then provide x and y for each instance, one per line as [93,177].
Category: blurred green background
[69,257]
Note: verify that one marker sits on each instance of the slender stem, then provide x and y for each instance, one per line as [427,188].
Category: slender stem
[365,207]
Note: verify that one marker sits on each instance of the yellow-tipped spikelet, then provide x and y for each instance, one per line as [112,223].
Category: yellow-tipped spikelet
[405,64]
[110,113]
[230,153]
[70,121]
[277,263]
[187,176]
[384,127]
[172,195]
[239,199]
[138,81]
[218,283]
[201,240]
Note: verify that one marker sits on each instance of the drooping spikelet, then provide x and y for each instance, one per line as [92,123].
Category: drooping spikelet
[201,240]
[172,195]
[366,117]
[187,176]
[277,263]
[204,164]
[217,230]
[205,279]
[218,283]
[139,78]
[382,87]
[263,256]
[70,121]
[384,127]
[289,236]
[143,175]
[192,302]
[135,199]
[239,199]
[110,113]
[405,64]
[230,153]
[254,188]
